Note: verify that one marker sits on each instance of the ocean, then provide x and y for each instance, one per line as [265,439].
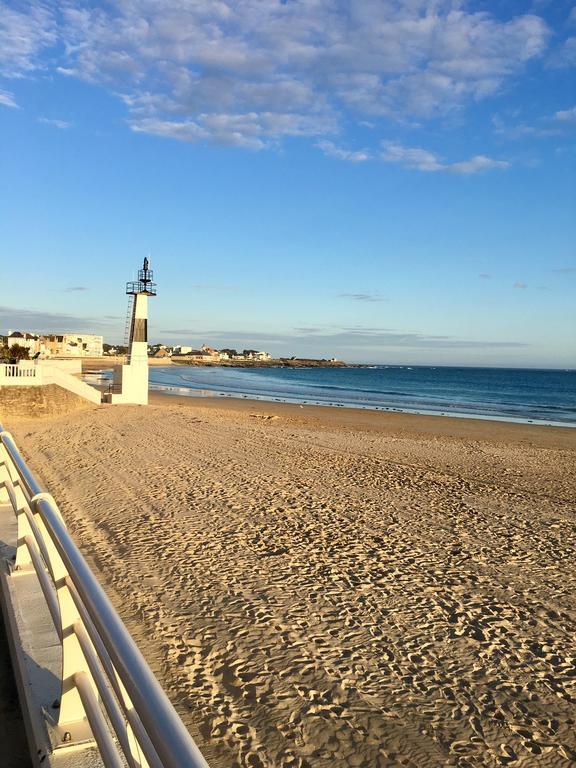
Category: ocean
[506,394]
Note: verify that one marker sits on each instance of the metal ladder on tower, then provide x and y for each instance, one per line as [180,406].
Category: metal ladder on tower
[128,326]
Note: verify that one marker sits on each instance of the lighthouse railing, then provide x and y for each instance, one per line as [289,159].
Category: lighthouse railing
[105,679]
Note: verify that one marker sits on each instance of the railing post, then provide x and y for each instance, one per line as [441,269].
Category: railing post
[11,490]
[4,473]
[23,558]
[72,723]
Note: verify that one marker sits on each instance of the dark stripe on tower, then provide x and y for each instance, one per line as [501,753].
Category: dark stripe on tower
[140,329]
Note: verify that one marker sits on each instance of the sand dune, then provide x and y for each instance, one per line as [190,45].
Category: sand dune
[330,590]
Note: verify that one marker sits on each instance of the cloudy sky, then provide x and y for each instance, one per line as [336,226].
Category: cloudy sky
[377,180]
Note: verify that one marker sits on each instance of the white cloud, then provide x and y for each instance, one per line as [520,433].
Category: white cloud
[422,160]
[349,340]
[476,164]
[331,150]
[24,33]
[33,320]
[369,297]
[564,56]
[557,124]
[7,99]
[566,115]
[252,130]
[60,124]
[417,159]
[519,284]
[195,70]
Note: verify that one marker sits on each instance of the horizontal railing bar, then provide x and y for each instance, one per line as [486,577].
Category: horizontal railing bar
[9,485]
[108,751]
[39,538]
[159,730]
[110,703]
[25,509]
[49,593]
[104,657]
[46,584]
[173,743]
[28,478]
[11,494]
[7,462]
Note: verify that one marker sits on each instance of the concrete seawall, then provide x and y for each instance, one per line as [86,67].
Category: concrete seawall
[39,401]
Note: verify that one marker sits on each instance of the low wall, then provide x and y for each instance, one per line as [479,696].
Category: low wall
[29,374]
[38,402]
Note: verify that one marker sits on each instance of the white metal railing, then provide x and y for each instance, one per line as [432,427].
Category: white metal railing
[105,679]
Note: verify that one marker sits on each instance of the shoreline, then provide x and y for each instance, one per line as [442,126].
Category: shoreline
[384,422]
[169,390]
[276,362]
[203,393]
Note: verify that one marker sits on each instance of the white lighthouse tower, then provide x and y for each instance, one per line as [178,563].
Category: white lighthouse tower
[130,383]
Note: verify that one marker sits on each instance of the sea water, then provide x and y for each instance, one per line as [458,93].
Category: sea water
[509,394]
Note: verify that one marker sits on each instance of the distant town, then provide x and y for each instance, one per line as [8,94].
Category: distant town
[22,345]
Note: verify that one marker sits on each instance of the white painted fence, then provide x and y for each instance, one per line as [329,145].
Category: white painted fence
[18,375]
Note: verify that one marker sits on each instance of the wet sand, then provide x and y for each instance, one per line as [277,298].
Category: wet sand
[328,587]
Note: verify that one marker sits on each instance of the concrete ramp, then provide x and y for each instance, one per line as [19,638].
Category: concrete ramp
[72,384]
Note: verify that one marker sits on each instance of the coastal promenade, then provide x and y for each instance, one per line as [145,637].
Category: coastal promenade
[319,587]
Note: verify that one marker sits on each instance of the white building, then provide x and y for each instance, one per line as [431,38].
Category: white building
[74,345]
[254,354]
[58,345]
[27,340]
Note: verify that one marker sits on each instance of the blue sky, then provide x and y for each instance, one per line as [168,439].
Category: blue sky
[381,181]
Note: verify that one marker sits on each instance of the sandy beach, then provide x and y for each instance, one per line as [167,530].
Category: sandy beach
[326,587]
